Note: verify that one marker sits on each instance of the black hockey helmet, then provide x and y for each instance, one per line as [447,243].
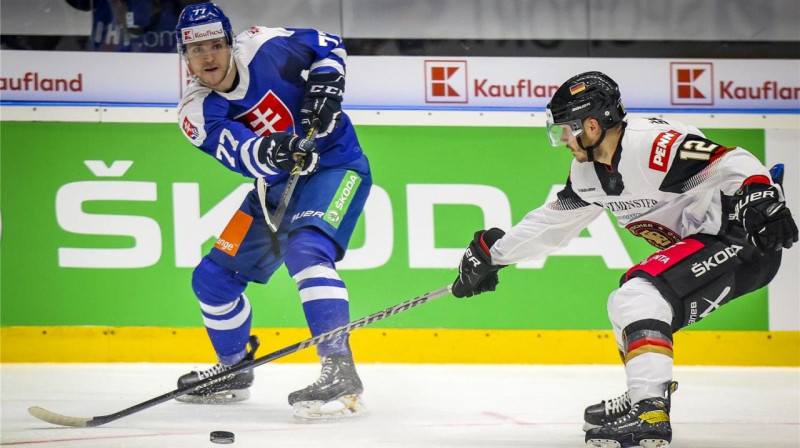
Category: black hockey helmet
[587,95]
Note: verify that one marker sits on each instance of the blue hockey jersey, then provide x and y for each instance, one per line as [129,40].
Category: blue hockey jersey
[272,65]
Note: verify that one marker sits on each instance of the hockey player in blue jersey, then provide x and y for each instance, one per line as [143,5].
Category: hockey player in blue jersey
[250,97]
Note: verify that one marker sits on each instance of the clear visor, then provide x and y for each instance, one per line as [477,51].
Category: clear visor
[201,50]
[562,133]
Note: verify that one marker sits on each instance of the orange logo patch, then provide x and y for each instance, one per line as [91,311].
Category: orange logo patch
[234,233]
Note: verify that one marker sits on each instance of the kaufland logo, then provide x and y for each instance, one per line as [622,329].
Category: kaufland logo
[692,83]
[203,32]
[446,81]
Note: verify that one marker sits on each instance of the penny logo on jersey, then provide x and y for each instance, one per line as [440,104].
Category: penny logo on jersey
[269,115]
[662,146]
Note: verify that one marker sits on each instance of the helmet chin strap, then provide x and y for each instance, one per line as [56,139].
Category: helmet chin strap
[231,64]
[590,149]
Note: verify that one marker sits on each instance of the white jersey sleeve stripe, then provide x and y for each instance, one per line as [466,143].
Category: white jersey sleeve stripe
[327,63]
[250,159]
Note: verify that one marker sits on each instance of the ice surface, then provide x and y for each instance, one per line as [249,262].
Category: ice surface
[419,406]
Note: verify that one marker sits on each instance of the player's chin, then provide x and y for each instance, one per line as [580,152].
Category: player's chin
[579,155]
[211,79]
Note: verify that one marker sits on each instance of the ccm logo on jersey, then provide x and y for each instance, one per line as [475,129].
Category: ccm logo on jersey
[715,260]
[659,156]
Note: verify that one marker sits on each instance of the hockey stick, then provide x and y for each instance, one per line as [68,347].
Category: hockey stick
[88,422]
[274,221]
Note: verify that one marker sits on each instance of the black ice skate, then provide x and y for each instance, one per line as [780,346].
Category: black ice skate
[235,387]
[336,394]
[646,425]
[606,411]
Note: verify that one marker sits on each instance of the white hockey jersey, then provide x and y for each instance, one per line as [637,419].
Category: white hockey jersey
[666,181]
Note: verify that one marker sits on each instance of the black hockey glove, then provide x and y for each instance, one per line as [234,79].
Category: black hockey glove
[765,218]
[476,273]
[323,101]
[281,150]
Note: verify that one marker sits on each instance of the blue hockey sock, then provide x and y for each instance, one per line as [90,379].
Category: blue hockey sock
[226,309]
[323,293]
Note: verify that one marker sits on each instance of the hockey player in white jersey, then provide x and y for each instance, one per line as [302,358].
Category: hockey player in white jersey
[250,97]
[714,213]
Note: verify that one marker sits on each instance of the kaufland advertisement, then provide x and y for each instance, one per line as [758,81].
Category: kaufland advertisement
[426,82]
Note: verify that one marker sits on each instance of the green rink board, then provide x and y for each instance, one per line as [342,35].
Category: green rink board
[39,159]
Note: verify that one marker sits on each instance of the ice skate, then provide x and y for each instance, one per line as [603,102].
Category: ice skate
[336,394]
[646,425]
[232,388]
[606,411]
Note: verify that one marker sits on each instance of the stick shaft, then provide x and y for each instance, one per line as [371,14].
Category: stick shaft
[63,420]
[275,221]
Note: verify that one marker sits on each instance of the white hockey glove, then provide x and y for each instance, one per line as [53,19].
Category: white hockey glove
[322,101]
[765,218]
[476,273]
[281,150]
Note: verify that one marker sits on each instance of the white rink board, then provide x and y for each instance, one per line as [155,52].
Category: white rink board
[425,82]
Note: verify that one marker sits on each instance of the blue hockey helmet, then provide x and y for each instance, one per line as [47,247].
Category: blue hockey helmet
[203,21]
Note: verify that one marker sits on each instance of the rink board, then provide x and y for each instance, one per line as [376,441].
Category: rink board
[165,201]
[396,345]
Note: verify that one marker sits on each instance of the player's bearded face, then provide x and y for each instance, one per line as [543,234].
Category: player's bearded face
[572,143]
[209,61]
[587,138]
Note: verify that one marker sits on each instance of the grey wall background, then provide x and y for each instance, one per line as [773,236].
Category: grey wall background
[696,20]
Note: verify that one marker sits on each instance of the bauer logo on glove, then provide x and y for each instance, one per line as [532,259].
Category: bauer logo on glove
[476,273]
[764,216]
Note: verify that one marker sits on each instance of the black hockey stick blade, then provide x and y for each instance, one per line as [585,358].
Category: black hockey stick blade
[84,422]
[274,221]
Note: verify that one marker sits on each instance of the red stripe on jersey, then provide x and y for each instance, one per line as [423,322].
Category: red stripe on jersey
[662,146]
[662,260]
[721,151]
[759,179]
[649,341]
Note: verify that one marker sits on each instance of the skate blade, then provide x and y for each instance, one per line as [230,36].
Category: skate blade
[587,426]
[348,406]
[223,397]
[646,443]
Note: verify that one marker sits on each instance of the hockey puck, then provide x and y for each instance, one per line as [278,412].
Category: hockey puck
[223,437]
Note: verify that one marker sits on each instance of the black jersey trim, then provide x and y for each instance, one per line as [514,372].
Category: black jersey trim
[567,199]
[694,161]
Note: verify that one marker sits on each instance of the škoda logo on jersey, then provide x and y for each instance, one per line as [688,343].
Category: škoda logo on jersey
[268,115]
[662,146]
